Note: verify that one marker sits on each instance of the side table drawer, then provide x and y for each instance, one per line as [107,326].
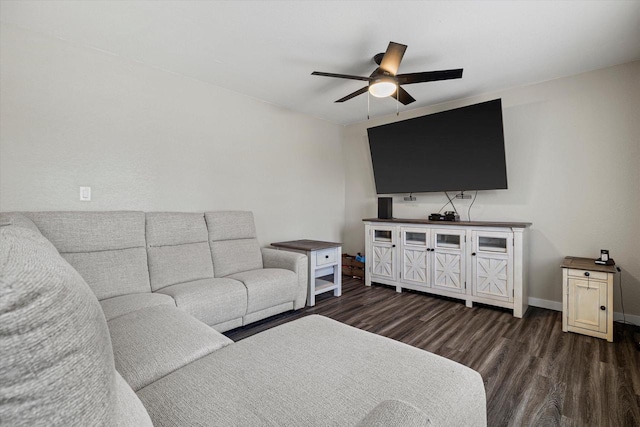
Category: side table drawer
[594,275]
[326,256]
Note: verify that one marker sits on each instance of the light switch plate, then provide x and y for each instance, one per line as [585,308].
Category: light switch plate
[85,194]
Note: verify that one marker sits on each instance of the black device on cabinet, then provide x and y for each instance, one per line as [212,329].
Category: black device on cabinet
[447,216]
[385,207]
[604,258]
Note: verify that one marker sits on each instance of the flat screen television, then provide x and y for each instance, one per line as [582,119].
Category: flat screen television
[455,150]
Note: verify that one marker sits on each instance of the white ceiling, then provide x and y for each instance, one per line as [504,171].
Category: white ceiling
[268,49]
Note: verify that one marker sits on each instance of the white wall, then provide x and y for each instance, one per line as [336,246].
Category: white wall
[146,139]
[573,165]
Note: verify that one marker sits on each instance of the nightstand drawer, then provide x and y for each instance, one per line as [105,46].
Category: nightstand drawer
[326,256]
[593,275]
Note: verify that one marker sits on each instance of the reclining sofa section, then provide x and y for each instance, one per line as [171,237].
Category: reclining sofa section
[207,264]
[63,364]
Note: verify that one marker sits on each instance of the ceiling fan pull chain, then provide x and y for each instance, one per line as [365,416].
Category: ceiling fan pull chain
[397,99]
[368,106]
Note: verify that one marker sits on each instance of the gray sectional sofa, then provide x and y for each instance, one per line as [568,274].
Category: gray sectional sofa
[114,318]
[207,264]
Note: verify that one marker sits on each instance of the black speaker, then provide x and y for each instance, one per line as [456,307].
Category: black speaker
[385,207]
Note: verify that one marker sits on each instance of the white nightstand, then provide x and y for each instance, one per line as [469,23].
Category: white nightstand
[587,297]
[324,258]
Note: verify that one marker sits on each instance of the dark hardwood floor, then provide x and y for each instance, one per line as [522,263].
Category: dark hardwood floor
[534,374]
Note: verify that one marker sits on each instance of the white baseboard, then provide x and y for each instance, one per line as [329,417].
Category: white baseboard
[557,306]
[545,303]
[630,318]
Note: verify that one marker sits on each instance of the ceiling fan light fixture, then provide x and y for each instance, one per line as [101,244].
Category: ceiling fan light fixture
[383,87]
[385,80]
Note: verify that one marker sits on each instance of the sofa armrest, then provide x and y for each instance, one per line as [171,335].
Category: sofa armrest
[273,258]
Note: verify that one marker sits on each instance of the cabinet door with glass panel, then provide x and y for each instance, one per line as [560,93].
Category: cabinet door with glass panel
[492,265]
[414,256]
[448,248]
[383,245]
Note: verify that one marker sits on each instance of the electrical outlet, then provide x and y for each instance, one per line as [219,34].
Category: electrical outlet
[85,194]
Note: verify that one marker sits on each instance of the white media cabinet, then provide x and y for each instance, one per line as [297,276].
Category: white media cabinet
[476,261]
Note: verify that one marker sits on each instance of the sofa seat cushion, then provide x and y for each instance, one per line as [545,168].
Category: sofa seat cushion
[268,287]
[129,409]
[314,372]
[395,413]
[124,304]
[211,301]
[153,342]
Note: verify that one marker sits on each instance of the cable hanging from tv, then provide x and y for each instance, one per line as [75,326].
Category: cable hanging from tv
[454,213]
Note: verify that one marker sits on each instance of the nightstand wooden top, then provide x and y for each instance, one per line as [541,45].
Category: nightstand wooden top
[586,264]
[306,245]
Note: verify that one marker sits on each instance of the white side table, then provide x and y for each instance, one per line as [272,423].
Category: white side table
[587,297]
[324,258]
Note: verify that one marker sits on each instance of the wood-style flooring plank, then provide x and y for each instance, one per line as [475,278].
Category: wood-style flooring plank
[534,374]
[541,404]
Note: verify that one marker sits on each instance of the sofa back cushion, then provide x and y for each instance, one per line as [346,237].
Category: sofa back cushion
[57,361]
[177,248]
[106,248]
[233,242]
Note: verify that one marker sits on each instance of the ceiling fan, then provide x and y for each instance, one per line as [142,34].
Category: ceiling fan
[385,80]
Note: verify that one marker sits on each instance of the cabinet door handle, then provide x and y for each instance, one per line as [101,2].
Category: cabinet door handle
[393,246]
[603,308]
[586,273]
[473,254]
[326,256]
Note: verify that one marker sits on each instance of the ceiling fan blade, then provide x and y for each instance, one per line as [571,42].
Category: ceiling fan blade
[354,94]
[404,96]
[392,57]
[340,76]
[429,76]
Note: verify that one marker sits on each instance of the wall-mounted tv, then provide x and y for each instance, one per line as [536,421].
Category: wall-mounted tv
[455,150]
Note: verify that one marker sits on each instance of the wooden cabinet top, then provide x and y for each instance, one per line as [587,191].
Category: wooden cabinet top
[586,264]
[306,245]
[451,223]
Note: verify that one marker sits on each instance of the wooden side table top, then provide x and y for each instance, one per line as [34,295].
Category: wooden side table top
[586,264]
[306,245]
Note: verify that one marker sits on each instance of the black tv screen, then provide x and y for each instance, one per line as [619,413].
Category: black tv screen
[455,150]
